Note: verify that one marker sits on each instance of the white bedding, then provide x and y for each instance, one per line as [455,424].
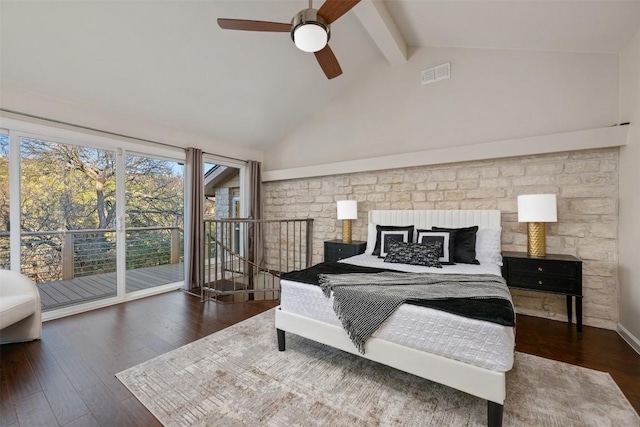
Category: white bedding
[479,343]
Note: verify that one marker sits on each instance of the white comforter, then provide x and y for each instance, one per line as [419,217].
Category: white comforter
[480,343]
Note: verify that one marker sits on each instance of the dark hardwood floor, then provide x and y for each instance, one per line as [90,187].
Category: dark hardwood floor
[599,349]
[67,378]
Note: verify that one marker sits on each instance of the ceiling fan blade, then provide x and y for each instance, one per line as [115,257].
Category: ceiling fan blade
[334,9]
[328,62]
[246,25]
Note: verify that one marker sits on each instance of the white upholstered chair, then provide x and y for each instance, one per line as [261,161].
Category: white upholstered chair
[20,312]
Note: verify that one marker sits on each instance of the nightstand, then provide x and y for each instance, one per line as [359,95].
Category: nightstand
[556,274]
[335,250]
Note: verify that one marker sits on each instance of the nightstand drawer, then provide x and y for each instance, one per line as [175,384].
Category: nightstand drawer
[346,249]
[535,266]
[335,250]
[341,253]
[541,282]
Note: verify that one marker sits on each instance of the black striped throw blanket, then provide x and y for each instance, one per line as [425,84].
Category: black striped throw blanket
[363,302]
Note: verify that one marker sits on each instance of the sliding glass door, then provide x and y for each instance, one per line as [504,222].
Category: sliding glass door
[95,224]
[154,222]
[68,211]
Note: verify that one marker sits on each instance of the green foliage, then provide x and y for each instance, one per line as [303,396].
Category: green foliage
[68,187]
[154,193]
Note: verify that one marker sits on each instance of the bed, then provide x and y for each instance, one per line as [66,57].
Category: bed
[473,356]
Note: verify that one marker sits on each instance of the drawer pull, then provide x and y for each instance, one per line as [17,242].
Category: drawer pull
[539,282]
[539,268]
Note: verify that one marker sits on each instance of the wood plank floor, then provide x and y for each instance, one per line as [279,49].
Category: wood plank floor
[67,378]
[63,293]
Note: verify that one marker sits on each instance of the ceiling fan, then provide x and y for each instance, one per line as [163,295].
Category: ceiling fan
[309,28]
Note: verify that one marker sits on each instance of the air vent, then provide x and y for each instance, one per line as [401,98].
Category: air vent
[435,74]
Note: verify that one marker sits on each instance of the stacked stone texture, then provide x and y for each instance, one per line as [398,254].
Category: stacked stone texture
[586,183]
[223,203]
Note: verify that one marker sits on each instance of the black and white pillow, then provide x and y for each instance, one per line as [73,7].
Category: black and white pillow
[445,239]
[414,253]
[465,244]
[389,233]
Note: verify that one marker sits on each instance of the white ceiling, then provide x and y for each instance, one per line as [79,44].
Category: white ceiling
[570,25]
[168,62]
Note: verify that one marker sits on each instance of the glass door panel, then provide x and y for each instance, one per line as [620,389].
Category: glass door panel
[222,200]
[224,268]
[154,218]
[68,238]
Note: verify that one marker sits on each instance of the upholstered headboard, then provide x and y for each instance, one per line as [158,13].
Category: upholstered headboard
[428,219]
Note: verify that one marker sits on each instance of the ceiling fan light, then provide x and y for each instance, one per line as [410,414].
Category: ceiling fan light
[310,37]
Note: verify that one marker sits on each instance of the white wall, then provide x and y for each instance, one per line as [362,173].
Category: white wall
[492,95]
[27,102]
[629,267]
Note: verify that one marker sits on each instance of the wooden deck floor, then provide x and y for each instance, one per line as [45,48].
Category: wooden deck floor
[64,293]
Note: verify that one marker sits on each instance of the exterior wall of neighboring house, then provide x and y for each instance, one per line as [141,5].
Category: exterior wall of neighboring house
[586,183]
[226,193]
[226,202]
[223,203]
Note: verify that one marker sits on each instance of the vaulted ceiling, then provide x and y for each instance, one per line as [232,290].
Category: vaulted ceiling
[170,63]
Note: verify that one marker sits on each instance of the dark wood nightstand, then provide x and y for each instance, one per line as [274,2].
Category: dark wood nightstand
[335,250]
[557,274]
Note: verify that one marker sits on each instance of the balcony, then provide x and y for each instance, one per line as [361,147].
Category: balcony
[76,266]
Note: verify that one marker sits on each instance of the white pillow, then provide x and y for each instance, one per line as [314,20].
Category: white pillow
[489,245]
[372,234]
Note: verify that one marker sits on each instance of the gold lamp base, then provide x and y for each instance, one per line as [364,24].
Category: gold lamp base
[346,231]
[536,240]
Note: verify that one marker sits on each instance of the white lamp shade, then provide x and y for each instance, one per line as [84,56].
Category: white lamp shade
[537,208]
[310,37]
[347,209]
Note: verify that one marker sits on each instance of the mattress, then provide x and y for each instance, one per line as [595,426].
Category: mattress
[476,342]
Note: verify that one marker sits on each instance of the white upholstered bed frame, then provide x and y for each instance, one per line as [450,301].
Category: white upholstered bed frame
[480,382]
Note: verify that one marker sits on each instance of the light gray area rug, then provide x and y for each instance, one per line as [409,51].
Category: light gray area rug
[238,377]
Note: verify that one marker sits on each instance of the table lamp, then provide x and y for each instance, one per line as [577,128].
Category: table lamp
[536,210]
[347,211]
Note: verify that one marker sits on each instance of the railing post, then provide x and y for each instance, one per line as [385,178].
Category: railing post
[309,242]
[67,256]
[175,247]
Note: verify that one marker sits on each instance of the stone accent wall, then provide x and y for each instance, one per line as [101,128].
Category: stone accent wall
[586,183]
[223,203]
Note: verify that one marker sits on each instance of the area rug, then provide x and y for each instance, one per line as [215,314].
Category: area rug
[238,377]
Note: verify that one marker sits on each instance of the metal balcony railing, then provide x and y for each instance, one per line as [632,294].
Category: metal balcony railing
[48,256]
[234,267]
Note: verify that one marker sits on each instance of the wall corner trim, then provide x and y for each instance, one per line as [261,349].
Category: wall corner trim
[632,340]
[613,136]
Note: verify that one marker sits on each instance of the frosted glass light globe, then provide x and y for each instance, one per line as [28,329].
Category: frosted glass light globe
[310,37]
